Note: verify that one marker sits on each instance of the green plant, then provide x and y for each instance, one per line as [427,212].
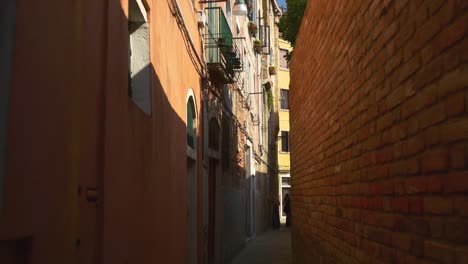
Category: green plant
[253,29]
[270,99]
[272,70]
[257,46]
[291,21]
[221,42]
[249,6]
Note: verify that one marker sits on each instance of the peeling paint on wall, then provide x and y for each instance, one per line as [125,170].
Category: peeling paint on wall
[7,25]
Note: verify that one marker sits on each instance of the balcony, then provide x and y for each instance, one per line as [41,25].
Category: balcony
[223,57]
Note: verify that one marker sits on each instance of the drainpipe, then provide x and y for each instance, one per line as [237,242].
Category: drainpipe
[178,14]
[7,26]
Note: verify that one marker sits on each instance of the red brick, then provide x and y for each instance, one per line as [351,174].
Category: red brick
[379,235]
[439,252]
[429,95]
[456,182]
[434,5]
[432,136]
[417,246]
[416,205]
[401,241]
[426,32]
[420,226]
[382,187]
[397,150]
[457,156]
[435,160]
[378,166]
[461,255]
[456,231]
[412,166]
[434,184]
[401,224]
[412,106]
[455,130]
[403,72]
[447,12]
[450,35]
[416,185]
[455,104]
[437,228]
[384,155]
[453,81]
[400,204]
[461,206]
[375,203]
[413,125]
[397,168]
[438,205]
[413,145]
[432,115]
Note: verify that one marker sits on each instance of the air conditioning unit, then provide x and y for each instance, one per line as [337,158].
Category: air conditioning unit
[201,18]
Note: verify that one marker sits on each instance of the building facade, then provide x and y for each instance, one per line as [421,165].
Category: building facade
[284,161]
[379,132]
[134,131]
[103,111]
[238,53]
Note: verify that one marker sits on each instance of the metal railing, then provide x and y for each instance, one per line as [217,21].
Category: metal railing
[223,55]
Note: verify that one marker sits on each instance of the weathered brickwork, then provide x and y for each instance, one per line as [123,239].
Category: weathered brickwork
[379,132]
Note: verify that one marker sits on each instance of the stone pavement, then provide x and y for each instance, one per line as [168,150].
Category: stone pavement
[272,247]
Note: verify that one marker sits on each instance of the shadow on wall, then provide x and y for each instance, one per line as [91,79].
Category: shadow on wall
[86,132]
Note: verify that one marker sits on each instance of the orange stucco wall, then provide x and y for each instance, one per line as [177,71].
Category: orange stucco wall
[72,128]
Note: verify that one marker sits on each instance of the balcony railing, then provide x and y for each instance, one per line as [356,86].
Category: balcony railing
[223,56]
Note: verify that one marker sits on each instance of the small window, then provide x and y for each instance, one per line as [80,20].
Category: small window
[282,57]
[139,64]
[284,99]
[191,123]
[213,140]
[284,141]
[226,138]
[286,181]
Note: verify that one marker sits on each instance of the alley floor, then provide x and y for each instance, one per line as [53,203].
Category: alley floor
[272,247]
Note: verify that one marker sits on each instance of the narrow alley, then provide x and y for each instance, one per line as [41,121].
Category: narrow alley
[189,131]
[271,247]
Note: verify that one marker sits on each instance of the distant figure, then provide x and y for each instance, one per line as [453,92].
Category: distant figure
[287,209]
[275,221]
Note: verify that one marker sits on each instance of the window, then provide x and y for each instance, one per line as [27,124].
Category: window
[139,64]
[282,57]
[284,99]
[284,141]
[226,137]
[7,36]
[285,181]
[213,137]
[191,123]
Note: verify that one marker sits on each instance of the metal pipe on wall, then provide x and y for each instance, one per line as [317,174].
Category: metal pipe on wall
[7,27]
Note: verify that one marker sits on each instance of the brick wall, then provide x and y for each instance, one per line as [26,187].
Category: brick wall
[379,132]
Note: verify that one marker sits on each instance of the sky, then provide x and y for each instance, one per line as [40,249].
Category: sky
[282,2]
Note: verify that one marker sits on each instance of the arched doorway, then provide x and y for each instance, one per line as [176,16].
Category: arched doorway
[213,164]
[191,136]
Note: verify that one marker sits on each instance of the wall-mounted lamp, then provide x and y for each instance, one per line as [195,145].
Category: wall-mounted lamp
[240,8]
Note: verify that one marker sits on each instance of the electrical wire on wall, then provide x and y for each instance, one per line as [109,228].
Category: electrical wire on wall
[200,67]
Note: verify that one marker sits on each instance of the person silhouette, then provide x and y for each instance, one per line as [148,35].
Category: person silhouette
[275,221]
[287,209]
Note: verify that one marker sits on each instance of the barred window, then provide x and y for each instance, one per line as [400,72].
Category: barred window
[282,57]
[284,99]
[284,141]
